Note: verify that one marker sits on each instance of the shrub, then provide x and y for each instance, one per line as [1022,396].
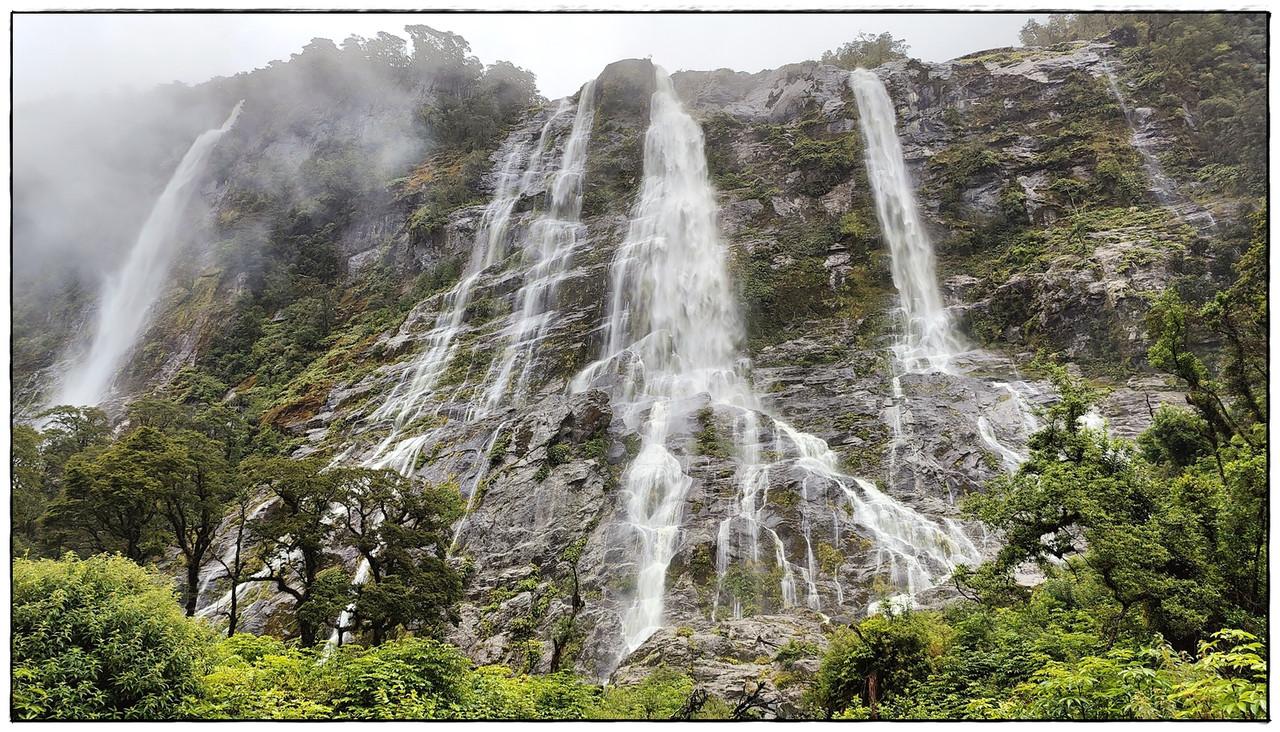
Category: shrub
[880,657]
[100,638]
[558,454]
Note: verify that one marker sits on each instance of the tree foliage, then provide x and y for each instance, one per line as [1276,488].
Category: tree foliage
[398,531]
[880,656]
[866,51]
[100,638]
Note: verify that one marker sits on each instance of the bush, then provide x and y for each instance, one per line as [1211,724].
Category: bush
[558,454]
[659,696]
[881,657]
[100,638]
[413,678]
[263,678]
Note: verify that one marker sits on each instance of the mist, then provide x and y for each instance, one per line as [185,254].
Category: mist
[317,142]
[322,137]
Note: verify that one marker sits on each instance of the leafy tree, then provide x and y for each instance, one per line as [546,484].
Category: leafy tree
[69,430]
[867,51]
[28,500]
[194,503]
[109,502]
[444,60]
[660,696]
[1087,500]
[294,537]
[100,638]
[397,530]
[494,692]
[1176,437]
[413,678]
[875,659]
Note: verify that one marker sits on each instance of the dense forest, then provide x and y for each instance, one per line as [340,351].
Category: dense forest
[1125,576]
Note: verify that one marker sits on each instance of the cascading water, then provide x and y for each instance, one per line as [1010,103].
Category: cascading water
[672,335]
[130,294]
[673,331]
[928,342]
[555,235]
[410,399]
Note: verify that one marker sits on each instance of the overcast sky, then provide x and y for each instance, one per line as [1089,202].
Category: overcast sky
[78,53]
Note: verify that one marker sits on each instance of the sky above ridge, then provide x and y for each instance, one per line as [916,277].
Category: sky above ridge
[65,53]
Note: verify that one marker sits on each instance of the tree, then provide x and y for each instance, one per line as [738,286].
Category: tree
[100,638]
[443,59]
[68,431]
[660,696]
[28,500]
[194,502]
[110,502]
[295,535]
[397,530]
[1227,681]
[413,678]
[1176,438]
[262,678]
[1087,500]
[867,51]
[877,658]
[237,568]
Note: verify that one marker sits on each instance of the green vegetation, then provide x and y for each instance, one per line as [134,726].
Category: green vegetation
[188,465]
[1203,72]
[1040,660]
[867,51]
[100,639]
[1154,554]
[710,439]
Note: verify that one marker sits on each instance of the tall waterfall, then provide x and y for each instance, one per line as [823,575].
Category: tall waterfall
[672,337]
[130,294]
[673,330]
[555,235]
[410,399]
[928,343]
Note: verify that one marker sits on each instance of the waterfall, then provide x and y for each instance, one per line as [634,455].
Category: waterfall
[673,331]
[555,235]
[927,343]
[129,295]
[410,399]
[672,335]
[1161,186]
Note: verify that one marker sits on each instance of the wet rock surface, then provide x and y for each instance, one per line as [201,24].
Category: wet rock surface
[547,518]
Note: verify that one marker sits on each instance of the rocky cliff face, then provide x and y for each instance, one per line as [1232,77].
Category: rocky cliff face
[1002,146]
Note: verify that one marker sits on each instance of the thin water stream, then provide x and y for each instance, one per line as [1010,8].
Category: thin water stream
[131,293]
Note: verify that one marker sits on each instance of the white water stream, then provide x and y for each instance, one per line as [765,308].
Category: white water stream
[673,331]
[410,399]
[130,294]
[555,236]
[927,342]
